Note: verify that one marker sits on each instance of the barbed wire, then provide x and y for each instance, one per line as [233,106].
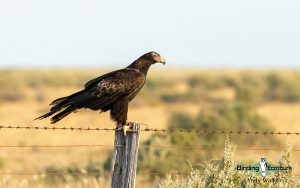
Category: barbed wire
[58,128]
[200,131]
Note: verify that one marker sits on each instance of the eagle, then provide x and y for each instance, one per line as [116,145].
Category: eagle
[110,92]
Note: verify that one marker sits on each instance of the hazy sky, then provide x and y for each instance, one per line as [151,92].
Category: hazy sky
[210,33]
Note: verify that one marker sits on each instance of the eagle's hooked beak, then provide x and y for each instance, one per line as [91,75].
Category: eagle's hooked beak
[162,60]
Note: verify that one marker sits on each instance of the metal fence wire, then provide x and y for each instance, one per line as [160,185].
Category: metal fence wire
[199,131]
[186,131]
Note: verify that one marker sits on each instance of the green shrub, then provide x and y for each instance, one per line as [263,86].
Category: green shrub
[107,163]
[66,173]
[227,117]
[1,163]
[179,97]
[156,83]
[94,168]
[282,89]
[55,175]
[250,89]
[221,172]
[211,81]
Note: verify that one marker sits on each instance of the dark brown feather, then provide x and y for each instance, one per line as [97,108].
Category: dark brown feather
[112,91]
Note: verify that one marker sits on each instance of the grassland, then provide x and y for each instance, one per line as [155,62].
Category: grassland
[25,94]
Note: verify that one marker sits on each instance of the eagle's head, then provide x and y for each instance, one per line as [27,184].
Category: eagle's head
[144,62]
[154,57]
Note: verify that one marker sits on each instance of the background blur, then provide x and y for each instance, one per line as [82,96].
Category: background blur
[230,66]
[65,33]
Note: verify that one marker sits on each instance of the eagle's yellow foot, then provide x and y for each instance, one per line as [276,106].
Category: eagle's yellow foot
[125,128]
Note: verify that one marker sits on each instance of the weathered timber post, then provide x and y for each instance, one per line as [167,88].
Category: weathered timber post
[124,160]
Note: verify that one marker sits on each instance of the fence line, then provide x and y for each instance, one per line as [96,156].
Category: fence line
[58,128]
[143,146]
[200,131]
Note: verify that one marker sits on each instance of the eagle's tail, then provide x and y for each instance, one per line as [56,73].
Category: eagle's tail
[63,114]
[59,104]
[45,115]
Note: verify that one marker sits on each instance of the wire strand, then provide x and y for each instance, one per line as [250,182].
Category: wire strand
[199,131]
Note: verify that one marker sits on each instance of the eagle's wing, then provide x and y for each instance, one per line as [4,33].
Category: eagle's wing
[113,87]
[98,79]
[99,93]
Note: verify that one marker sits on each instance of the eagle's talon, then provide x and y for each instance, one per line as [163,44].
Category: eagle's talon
[126,128]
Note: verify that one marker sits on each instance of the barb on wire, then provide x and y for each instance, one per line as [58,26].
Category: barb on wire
[199,131]
[203,131]
[61,128]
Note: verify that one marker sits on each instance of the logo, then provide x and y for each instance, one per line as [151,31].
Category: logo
[263,168]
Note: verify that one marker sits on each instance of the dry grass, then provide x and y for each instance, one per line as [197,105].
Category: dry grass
[285,117]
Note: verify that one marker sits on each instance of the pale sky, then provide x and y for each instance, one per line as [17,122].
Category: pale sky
[198,33]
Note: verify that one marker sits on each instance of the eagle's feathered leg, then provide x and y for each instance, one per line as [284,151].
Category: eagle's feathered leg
[119,112]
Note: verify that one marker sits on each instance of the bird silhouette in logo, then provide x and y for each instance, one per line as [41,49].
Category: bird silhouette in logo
[263,166]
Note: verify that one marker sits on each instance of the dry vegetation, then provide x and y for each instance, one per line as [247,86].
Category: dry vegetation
[220,172]
[273,95]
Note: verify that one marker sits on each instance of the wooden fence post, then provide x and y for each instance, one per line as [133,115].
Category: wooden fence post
[124,160]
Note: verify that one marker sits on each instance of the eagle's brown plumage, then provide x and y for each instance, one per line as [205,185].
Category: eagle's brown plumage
[112,91]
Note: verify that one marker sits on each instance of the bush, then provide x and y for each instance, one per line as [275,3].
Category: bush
[270,87]
[11,93]
[94,168]
[179,97]
[63,174]
[211,81]
[55,175]
[234,117]
[221,173]
[1,163]
[10,88]
[250,89]
[156,83]
[282,89]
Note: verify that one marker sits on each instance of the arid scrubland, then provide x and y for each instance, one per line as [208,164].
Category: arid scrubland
[207,99]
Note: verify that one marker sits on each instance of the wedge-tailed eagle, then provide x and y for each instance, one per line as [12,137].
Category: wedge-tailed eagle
[112,91]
